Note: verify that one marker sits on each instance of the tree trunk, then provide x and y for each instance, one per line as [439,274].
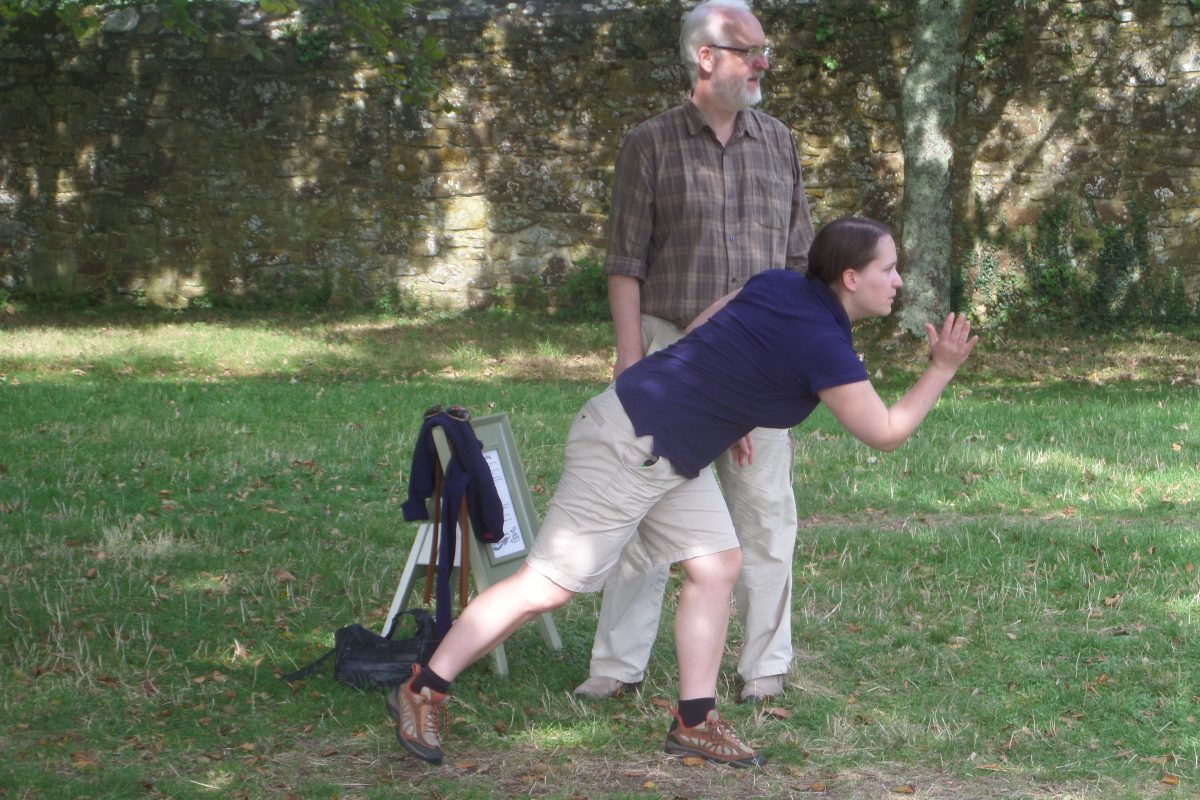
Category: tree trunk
[928,105]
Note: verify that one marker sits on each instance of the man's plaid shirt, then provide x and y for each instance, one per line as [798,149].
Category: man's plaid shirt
[694,220]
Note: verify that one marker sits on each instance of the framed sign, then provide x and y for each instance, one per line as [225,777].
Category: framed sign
[490,563]
[520,520]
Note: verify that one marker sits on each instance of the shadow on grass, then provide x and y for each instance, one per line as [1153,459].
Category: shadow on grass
[482,345]
[476,345]
[175,530]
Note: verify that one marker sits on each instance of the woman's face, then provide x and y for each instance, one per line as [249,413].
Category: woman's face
[878,281]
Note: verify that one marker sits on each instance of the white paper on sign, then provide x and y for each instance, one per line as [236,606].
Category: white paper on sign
[512,543]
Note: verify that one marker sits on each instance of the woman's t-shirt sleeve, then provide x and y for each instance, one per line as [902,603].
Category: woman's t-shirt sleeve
[827,360]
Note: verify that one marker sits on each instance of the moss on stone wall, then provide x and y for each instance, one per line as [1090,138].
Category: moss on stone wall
[140,162]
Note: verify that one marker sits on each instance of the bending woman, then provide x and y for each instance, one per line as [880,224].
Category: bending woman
[638,454]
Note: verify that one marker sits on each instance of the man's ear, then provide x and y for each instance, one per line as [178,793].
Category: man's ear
[706,58]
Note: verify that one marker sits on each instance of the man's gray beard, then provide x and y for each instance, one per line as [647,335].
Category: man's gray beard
[742,98]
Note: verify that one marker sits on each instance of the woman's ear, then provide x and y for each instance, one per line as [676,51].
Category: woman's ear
[850,279]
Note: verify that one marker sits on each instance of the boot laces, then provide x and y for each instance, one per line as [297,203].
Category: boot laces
[436,721]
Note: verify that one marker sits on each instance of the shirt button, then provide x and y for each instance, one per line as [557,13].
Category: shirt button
[733,237]
[730,195]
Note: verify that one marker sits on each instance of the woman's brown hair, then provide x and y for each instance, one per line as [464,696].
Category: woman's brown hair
[846,243]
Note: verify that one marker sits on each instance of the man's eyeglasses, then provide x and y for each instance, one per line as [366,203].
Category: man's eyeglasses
[751,54]
[460,413]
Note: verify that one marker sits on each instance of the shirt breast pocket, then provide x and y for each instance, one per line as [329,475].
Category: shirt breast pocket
[771,202]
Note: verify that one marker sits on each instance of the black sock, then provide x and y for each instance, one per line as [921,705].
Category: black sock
[693,712]
[427,677]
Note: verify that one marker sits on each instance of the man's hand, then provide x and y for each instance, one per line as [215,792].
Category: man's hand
[624,301]
[743,451]
[951,347]
[625,363]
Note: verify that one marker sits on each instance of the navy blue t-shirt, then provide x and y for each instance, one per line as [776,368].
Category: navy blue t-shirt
[758,362]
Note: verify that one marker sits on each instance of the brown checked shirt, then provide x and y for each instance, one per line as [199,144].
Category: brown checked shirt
[693,219]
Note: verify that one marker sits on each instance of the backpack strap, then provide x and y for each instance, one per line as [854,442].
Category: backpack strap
[304,672]
[464,558]
[426,627]
[421,618]
[431,566]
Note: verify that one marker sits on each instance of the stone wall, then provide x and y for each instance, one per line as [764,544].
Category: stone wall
[138,162]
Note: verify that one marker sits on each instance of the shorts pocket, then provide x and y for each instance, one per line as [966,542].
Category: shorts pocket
[638,455]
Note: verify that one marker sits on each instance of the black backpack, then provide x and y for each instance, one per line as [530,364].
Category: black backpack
[367,660]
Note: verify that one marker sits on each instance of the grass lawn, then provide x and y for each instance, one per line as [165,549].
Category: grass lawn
[1005,607]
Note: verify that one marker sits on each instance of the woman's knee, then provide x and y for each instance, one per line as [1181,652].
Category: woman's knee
[715,570]
[540,594]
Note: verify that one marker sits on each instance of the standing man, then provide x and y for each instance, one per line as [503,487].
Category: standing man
[706,195]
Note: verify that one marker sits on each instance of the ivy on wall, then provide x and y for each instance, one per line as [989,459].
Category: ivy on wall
[382,29]
[1070,266]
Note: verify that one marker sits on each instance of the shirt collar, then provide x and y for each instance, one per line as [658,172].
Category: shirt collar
[744,124]
[830,301]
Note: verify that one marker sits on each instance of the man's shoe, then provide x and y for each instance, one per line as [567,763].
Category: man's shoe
[602,687]
[759,690]
[419,719]
[712,739]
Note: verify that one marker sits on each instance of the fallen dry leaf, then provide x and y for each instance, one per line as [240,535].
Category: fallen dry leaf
[693,761]
[776,711]
[814,787]
[904,788]
[283,576]
[661,702]
[1170,780]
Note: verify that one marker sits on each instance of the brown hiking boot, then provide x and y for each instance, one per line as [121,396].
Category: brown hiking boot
[419,719]
[713,739]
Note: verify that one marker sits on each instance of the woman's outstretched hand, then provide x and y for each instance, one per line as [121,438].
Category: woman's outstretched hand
[949,348]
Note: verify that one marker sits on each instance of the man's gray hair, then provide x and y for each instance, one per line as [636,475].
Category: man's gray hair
[698,30]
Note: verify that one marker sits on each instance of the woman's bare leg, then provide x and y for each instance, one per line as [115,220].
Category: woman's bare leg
[493,616]
[702,620]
